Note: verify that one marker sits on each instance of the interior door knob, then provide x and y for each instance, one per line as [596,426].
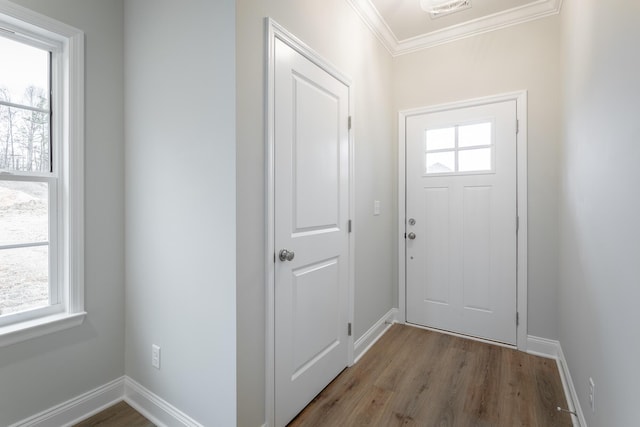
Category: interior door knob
[286,255]
[411,235]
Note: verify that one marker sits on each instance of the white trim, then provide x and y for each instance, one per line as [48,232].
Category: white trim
[520,98]
[523,223]
[542,347]
[466,337]
[402,213]
[553,350]
[154,408]
[36,21]
[74,212]
[352,236]
[272,31]
[378,26]
[570,390]
[23,331]
[79,408]
[507,18]
[375,332]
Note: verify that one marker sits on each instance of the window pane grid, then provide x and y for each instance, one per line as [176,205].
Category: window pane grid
[459,149]
[25,107]
[28,197]
[37,54]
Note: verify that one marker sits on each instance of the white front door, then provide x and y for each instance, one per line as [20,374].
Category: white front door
[461,220]
[311,143]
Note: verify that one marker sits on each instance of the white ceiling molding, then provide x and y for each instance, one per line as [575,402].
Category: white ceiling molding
[378,26]
[529,12]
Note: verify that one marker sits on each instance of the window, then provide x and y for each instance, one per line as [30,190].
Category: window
[41,175]
[459,149]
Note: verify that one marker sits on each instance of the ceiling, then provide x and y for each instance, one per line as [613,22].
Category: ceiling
[404,27]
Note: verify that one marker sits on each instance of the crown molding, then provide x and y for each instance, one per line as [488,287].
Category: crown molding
[378,26]
[507,18]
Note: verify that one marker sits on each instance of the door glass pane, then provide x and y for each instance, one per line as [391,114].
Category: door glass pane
[24,212]
[443,162]
[474,160]
[438,139]
[474,135]
[24,279]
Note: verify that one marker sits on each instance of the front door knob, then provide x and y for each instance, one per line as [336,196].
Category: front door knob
[411,235]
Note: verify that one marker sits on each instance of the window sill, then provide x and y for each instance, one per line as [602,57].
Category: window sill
[23,331]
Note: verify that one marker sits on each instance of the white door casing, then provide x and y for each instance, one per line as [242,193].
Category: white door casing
[309,112]
[461,266]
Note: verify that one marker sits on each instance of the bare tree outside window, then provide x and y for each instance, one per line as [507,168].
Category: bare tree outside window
[25,147]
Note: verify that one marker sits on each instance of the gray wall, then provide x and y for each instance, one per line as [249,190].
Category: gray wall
[43,372]
[527,57]
[600,249]
[333,29]
[180,203]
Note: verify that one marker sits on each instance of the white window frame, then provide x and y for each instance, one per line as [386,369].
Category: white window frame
[66,188]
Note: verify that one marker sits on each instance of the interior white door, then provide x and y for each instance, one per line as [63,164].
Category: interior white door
[461,221]
[311,229]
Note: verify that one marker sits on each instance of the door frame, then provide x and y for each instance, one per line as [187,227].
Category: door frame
[275,31]
[521,200]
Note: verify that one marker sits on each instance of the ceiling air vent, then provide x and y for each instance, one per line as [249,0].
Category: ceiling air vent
[438,8]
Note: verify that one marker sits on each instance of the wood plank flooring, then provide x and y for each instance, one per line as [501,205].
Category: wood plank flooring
[415,377]
[118,415]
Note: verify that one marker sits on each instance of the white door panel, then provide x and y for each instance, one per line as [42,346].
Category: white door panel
[461,192]
[311,217]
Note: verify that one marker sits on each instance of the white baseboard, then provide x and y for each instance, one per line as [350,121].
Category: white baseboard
[570,390]
[79,408]
[364,343]
[154,408]
[71,412]
[542,347]
[553,350]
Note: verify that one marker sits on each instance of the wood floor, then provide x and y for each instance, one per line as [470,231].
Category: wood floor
[119,415]
[414,377]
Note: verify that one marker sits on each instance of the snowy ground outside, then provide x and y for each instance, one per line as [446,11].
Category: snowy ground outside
[23,271]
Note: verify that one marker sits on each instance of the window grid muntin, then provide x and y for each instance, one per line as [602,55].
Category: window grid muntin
[56,221]
[456,149]
[54,49]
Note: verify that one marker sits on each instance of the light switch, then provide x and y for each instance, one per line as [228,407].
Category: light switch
[376,207]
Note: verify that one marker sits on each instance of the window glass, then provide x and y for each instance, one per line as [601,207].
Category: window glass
[438,139]
[474,135]
[24,108]
[474,160]
[28,67]
[441,162]
[24,212]
[25,148]
[459,149]
[24,283]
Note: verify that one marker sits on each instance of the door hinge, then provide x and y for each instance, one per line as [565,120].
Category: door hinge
[517,126]
[517,223]
[274,257]
[517,319]
[349,125]
[349,226]
[349,329]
